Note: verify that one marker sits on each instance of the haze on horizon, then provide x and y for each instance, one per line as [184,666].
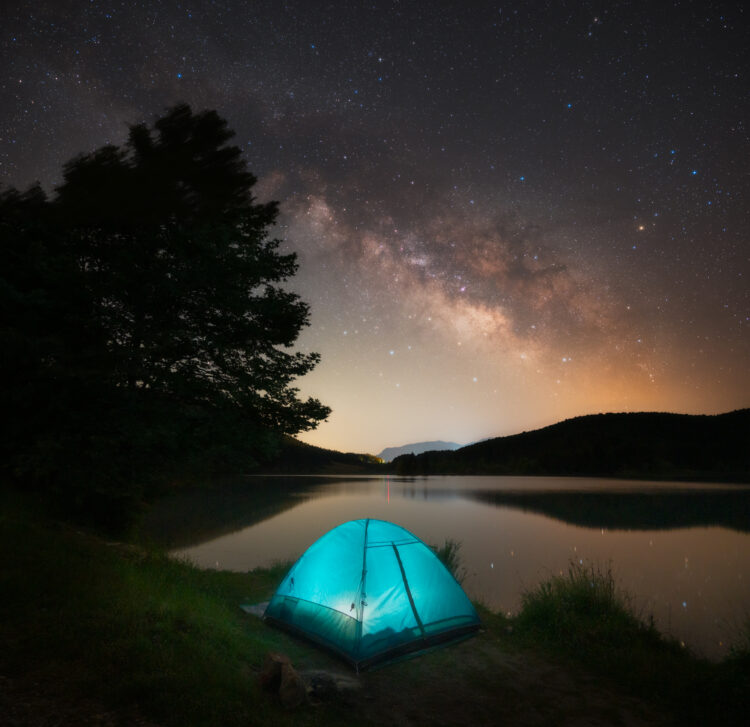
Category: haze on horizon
[505,215]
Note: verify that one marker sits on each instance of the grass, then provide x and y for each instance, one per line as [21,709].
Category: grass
[583,611]
[584,617]
[133,627]
[450,556]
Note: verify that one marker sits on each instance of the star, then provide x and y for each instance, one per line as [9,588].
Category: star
[398,197]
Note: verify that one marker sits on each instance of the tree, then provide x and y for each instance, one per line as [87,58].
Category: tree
[166,293]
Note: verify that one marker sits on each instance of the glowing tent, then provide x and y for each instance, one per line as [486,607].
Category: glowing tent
[372,591]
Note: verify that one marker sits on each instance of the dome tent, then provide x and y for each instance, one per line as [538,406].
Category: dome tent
[372,591]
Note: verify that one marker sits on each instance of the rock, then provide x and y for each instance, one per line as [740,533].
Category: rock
[270,673]
[322,686]
[325,686]
[292,691]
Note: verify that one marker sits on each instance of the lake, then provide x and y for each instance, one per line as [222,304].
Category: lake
[681,550]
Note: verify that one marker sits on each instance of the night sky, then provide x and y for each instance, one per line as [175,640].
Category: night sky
[506,214]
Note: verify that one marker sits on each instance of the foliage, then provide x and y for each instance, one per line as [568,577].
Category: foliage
[583,616]
[133,627]
[299,457]
[449,555]
[586,594]
[144,320]
[406,465]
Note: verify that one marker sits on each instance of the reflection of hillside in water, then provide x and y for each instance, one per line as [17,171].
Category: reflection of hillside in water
[198,515]
[621,510]
[632,510]
[202,514]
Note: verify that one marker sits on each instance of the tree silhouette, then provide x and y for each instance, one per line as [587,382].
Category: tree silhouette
[148,296]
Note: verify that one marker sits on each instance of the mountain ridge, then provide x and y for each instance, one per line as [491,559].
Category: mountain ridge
[641,445]
[655,445]
[390,453]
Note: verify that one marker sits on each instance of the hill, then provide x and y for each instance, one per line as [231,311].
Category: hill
[390,453]
[295,457]
[645,445]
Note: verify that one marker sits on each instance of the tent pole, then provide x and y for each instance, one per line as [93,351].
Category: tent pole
[408,590]
[362,595]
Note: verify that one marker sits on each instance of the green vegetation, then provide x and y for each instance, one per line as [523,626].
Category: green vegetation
[108,626]
[643,445]
[582,612]
[133,627]
[582,616]
[449,554]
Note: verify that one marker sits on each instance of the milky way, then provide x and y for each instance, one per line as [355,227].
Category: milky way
[505,213]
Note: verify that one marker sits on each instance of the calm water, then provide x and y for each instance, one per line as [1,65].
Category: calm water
[681,550]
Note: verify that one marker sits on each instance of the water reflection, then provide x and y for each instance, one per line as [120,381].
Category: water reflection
[682,550]
[633,510]
[195,515]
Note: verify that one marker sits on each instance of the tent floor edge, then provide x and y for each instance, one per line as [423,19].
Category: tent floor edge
[312,639]
[384,658]
[417,647]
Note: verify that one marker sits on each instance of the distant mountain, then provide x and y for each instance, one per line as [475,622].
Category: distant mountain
[644,445]
[390,453]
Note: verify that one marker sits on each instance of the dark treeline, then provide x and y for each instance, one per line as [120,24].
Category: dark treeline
[144,326]
[295,457]
[650,445]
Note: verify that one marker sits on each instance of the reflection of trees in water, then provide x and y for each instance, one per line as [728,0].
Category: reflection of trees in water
[632,510]
[195,516]
[202,514]
[425,493]
[613,510]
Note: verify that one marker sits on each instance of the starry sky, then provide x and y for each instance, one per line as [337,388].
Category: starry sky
[505,213]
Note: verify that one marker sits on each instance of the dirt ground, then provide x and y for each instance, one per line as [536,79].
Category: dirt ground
[478,682]
[474,682]
[45,700]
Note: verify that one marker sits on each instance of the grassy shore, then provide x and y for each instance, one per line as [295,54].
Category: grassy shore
[583,617]
[95,632]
